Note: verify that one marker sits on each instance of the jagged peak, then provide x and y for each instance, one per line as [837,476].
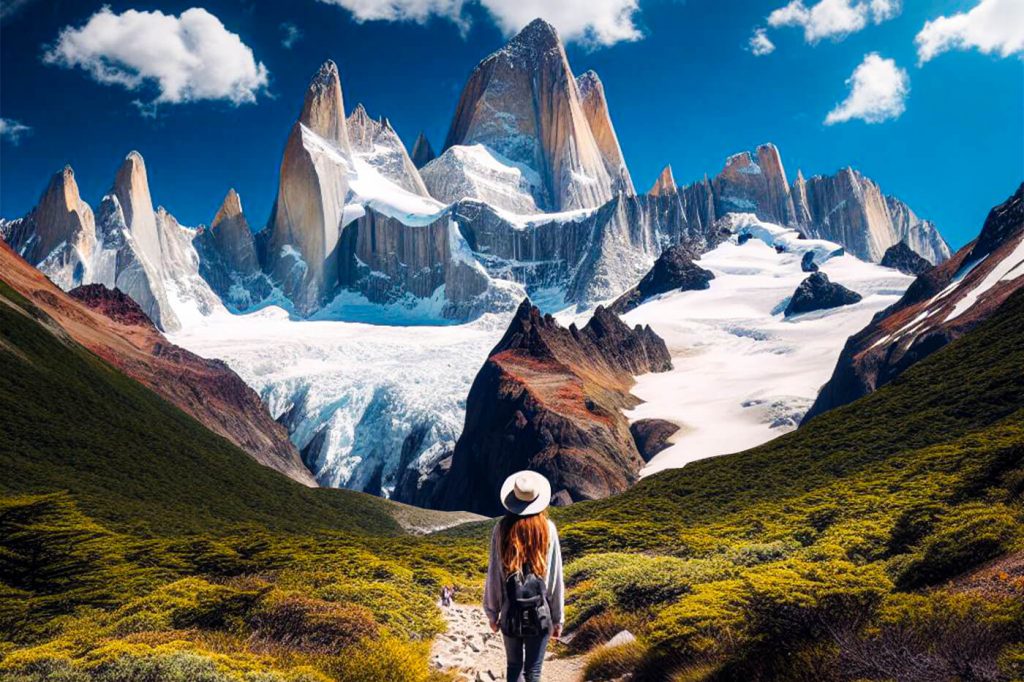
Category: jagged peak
[359,112]
[589,80]
[327,73]
[131,177]
[231,207]
[537,32]
[323,109]
[665,184]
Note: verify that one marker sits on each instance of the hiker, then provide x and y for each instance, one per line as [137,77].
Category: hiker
[523,595]
[446,596]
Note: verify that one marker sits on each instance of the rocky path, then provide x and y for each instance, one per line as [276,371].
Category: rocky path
[471,651]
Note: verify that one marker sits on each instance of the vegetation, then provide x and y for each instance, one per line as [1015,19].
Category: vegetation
[828,553]
[137,546]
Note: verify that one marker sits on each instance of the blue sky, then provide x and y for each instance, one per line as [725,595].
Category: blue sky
[683,86]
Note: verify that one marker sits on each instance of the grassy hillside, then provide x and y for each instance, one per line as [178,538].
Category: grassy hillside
[135,545]
[71,422]
[826,554]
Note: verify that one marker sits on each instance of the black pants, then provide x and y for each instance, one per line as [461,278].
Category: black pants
[525,656]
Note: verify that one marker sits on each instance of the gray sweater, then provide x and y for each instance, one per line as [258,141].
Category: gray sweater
[494,588]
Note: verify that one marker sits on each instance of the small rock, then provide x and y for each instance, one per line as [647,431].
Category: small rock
[623,637]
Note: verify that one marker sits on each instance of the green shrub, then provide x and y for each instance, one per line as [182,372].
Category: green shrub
[311,625]
[385,659]
[969,535]
[405,612]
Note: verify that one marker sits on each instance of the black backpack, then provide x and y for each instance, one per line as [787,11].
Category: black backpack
[528,614]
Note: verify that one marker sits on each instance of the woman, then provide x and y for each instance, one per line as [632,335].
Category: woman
[525,554]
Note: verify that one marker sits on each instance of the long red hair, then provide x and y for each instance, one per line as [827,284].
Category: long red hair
[524,543]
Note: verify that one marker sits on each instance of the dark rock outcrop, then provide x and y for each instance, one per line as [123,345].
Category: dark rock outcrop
[652,436]
[551,399]
[905,259]
[673,271]
[807,263]
[818,293]
[228,258]
[942,304]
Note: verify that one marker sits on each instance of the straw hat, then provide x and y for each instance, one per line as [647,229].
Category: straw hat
[525,493]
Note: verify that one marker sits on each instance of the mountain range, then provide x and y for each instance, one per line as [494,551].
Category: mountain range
[530,196]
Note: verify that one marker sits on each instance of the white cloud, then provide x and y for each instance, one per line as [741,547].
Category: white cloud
[189,57]
[759,44]
[593,22]
[878,92]
[290,34]
[13,130]
[991,26]
[833,19]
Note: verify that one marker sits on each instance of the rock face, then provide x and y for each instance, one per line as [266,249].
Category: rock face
[523,102]
[126,244]
[665,184]
[113,326]
[758,186]
[818,293]
[943,304]
[551,399]
[311,196]
[673,271]
[652,436]
[595,108]
[377,143]
[903,258]
[422,152]
[228,259]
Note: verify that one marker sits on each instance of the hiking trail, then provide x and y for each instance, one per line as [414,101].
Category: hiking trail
[476,654]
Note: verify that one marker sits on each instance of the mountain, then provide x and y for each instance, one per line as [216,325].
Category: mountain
[377,143]
[312,192]
[758,186]
[942,304]
[523,102]
[59,233]
[846,208]
[115,328]
[127,244]
[422,152]
[551,399]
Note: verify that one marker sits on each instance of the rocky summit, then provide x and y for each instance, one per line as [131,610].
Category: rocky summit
[551,399]
[524,103]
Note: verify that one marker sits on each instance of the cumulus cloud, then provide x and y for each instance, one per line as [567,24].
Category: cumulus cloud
[592,22]
[759,44]
[187,58]
[834,19]
[290,34]
[13,130]
[878,92]
[992,26]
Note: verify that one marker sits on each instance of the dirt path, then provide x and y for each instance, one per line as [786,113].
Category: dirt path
[471,650]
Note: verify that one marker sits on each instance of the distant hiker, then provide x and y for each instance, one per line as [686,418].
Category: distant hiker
[524,593]
[446,596]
